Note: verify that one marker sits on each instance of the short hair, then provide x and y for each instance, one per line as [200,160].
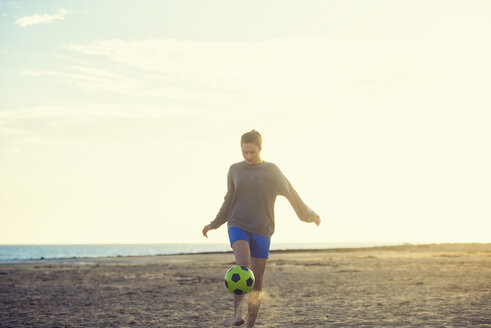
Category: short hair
[252,137]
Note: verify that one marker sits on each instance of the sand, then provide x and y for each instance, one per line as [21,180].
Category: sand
[403,286]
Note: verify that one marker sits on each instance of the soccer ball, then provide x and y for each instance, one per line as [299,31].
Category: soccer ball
[239,280]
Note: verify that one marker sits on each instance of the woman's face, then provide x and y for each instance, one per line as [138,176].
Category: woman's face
[251,153]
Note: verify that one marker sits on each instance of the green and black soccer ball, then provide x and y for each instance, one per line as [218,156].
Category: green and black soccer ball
[239,280]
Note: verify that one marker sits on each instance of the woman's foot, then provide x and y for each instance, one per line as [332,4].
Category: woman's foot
[239,321]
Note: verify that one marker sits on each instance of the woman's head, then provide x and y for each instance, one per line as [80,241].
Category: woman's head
[253,137]
[251,144]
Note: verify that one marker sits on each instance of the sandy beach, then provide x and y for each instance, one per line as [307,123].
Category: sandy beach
[445,285]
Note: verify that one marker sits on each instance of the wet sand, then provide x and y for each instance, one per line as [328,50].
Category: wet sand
[402,286]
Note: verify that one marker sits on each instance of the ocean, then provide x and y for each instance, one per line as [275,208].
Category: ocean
[28,253]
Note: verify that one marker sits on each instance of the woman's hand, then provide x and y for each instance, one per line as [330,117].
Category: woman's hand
[317,220]
[206,229]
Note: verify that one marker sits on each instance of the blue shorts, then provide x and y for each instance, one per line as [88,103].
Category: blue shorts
[258,245]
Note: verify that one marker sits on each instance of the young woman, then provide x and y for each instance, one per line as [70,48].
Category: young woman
[253,185]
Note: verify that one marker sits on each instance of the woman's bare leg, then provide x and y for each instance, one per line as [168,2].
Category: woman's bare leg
[258,267]
[242,257]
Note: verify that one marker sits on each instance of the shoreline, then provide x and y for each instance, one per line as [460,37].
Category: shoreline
[119,258]
[84,251]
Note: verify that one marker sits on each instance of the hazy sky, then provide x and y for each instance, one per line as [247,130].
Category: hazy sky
[119,119]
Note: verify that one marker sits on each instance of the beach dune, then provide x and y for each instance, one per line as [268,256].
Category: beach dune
[446,285]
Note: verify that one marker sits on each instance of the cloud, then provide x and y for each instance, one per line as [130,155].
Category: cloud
[273,64]
[86,112]
[274,75]
[264,74]
[41,18]
[271,59]
[92,79]
[236,72]
[312,59]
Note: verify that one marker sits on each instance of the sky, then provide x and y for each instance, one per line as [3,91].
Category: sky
[119,119]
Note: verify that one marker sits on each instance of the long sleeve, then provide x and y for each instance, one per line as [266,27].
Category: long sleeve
[304,213]
[222,215]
